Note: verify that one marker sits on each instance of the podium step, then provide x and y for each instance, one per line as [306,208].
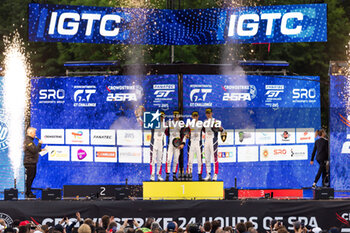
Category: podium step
[194,190]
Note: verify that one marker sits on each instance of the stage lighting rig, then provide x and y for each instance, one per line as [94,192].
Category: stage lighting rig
[92,67]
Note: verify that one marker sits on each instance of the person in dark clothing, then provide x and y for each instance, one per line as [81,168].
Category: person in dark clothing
[321,147]
[31,156]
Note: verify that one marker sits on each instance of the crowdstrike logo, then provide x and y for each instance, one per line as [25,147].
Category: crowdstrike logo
[121,96]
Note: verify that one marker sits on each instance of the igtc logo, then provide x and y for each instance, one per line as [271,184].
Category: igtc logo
[248,24]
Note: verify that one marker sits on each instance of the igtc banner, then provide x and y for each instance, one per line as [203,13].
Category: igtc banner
[264,24]
[339,132]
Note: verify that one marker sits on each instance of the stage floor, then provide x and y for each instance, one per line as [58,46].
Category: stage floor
[323,213]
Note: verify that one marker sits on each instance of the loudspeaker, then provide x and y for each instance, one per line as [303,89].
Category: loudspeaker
[122,193]
[323,193]
[11,194]
[231,194]
[51,194]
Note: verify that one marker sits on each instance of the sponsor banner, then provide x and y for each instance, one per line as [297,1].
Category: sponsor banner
[248,154]
[229,212]
[285,136]
[227,154]
[147,157]
[102,137]
[265,136]
[77,136]
[90,24]
[305,135]
[244,136]
[280,153]
[82,153]
[130,155]
[52,136]
[84,96]
[105,154]
[229,139]
[162,92]
[129,137]
[58,153]
[339,125]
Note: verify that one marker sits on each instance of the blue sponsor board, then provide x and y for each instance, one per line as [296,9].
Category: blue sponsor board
[270,122]
[264,24]
[339,94]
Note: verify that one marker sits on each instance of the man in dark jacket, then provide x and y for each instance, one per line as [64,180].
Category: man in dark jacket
[321,147]
[31,156]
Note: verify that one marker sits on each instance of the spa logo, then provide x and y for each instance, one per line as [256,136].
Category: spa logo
[6,218]
[3,135]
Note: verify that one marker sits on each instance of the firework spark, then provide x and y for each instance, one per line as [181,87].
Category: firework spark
[15,97]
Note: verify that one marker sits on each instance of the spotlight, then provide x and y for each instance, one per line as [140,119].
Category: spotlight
[11,194]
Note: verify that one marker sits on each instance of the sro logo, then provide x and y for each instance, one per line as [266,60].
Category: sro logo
[304,93]
[51,94]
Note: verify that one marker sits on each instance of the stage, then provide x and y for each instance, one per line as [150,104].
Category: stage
[260,212]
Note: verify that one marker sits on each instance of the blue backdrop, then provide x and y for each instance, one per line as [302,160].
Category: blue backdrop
[264,24]
[339,132]
[93,136]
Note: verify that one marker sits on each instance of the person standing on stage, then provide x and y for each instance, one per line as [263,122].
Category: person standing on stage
[211,143]
[322,156]
[174,131]
[31,156]
[195,146]
[156,149]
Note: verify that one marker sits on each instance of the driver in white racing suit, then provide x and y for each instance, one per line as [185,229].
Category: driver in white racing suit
[156,149]
[195,146]
[174,131]
[211,126]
